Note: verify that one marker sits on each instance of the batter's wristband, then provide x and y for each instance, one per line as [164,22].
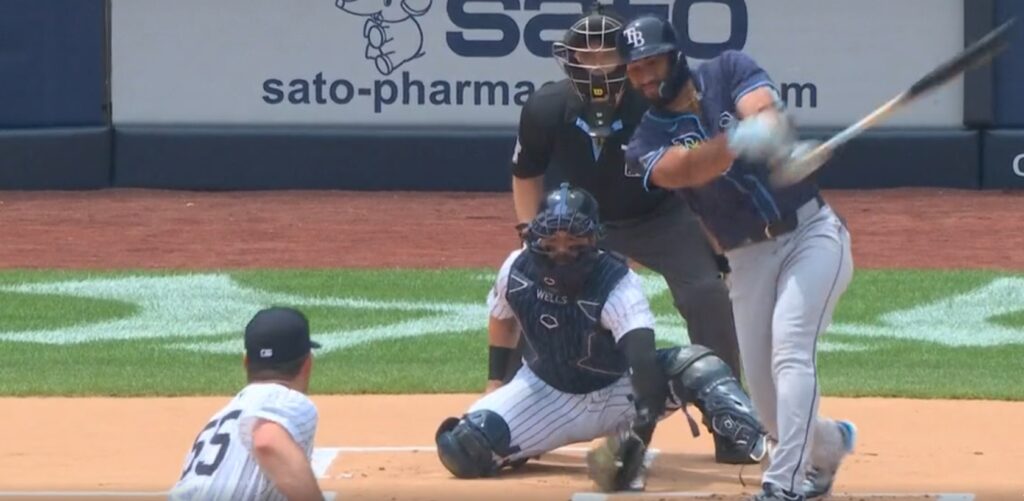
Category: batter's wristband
[499,356]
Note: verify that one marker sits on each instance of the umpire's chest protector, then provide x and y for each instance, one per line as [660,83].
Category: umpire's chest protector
[566,345]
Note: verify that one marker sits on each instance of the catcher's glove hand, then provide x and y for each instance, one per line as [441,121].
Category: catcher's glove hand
[617,464]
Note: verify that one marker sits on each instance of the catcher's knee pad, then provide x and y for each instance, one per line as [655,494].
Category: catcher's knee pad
[467,447]
[696,375]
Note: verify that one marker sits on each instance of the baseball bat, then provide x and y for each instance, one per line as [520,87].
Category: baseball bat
[977,54]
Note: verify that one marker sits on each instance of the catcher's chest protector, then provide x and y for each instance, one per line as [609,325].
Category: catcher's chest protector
[566,346]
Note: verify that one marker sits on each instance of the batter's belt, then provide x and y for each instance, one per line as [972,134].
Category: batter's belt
[787,224]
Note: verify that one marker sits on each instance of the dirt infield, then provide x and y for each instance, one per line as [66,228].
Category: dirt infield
[918,228]
[138,444]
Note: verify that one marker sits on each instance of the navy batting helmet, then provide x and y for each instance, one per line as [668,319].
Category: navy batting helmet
[649,36]
[573,211]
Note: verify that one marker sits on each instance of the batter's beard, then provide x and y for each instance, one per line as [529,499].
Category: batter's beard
[652,93]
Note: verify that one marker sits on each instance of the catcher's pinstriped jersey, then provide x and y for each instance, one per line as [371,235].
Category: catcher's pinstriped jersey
[570,343]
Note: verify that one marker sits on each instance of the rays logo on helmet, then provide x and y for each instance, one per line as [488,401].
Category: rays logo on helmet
[634,37]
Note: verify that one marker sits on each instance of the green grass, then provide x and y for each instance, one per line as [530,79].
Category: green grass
[437,361]
[22,312]
[918,370]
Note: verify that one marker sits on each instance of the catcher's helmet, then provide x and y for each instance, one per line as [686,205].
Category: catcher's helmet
[649,36]
[574,212]
[568,209]
[588,56]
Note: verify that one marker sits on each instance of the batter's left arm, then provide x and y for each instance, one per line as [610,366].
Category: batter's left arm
[759,101]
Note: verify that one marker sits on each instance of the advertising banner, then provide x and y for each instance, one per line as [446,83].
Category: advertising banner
[472,63]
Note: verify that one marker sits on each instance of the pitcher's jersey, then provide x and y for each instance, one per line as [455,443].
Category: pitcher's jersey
[219,465]
[740,202]
[571,343]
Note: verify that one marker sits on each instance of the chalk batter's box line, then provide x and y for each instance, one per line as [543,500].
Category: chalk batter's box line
[650,457]
[600,496]
[323,457]
[329,496]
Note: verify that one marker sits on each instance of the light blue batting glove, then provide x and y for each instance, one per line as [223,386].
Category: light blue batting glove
[761,138]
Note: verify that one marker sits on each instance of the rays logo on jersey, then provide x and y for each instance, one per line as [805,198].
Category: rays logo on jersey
[690,140]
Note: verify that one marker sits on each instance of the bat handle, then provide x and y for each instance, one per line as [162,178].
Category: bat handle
[863,124]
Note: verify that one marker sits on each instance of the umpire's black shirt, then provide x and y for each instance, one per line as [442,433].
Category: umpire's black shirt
[553,134]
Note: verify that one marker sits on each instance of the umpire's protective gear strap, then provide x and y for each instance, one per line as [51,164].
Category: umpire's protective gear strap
[696,375]
[474,446]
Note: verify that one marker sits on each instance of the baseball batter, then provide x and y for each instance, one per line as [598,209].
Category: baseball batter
[712,133]
[590,365]
[259,445]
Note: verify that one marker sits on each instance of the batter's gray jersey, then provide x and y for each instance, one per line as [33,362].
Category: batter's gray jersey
[220,466]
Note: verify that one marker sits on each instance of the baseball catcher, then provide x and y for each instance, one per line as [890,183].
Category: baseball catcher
[590,367]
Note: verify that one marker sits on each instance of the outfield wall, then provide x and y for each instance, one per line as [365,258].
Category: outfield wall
[263,94]
[54,118]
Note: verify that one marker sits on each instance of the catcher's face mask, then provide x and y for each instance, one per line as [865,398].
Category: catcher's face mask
[562,239]
[588,57]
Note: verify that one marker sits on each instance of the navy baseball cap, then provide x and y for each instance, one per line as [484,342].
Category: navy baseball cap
[278,335]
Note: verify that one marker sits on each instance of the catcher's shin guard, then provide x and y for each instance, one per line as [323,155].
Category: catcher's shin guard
[696,375]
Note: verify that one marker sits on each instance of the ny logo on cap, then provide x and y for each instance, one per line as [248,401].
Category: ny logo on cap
[634,37]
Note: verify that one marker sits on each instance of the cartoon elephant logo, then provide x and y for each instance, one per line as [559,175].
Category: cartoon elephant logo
[392,32]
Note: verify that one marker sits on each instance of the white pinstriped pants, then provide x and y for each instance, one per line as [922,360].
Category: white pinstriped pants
[541,418]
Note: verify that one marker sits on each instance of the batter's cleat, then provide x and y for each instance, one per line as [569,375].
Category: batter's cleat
[726,452]
[818,482]
[772,492]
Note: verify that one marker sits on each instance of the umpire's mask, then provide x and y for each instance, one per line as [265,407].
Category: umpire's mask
[588,56]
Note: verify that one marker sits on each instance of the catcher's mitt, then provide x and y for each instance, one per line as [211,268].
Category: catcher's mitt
[618,462]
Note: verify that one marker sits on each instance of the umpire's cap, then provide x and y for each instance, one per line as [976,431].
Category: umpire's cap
[277,335]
